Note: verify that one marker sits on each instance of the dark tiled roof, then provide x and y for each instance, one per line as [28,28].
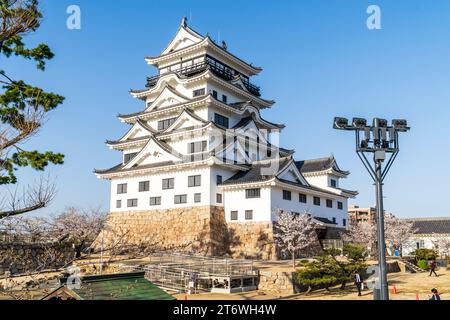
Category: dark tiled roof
[119,167]
[255,170]
[324,220]
[430,226]
[321,164]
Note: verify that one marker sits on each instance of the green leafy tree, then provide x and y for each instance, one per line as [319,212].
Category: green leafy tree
[23,107]
[333,267]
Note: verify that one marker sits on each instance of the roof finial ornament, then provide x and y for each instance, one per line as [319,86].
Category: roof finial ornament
[224,45]
[184,22]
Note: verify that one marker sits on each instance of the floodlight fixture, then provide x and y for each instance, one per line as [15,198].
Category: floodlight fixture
[381,141]
[340,123]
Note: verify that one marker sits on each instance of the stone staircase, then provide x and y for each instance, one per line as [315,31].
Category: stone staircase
[411,266]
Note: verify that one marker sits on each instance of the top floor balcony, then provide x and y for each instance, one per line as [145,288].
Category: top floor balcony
[223,73]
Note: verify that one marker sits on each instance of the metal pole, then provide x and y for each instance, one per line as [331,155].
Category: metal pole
[384,290]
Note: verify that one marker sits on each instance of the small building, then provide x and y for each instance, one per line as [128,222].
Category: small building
[429,232]
[123,286]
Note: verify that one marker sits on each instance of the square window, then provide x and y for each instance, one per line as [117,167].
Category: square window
[248,214]
[234,215]
[316,201]
[252,193]
[155,201]
[197,197]
[329,203]
[132,203]
[221,120]
[194,181]
[119,204]
[144,186]
[302,198]
[180,199]
[122,188]
[287,195]
[168,183]
[219,198]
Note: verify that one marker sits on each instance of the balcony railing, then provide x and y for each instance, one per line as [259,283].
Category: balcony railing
[197,68]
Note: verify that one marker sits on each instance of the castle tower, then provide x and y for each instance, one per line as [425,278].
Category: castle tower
[200,158]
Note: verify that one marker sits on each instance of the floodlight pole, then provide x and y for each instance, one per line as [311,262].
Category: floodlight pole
[384,288]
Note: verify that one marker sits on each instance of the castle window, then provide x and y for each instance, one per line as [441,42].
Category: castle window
[132,203]
[224,98]
[302,198]
[234,215]
[128,157]
[214,94]
[197,197]
[221,120]
[333,183]
[155,201]
[168,183]
[119,204]
[196,147]
[199,92]
[316,201]
[340,205]
[329,203]
[182,198]
[122,188]
[248,214]
[344,222]
[219,198]
[287,195]
[219,180]
[253,193]
[144,186]
[194,181]
[334,220]
[164,124]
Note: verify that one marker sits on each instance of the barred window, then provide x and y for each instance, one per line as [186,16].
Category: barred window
[197,197]
[168,183]
[329,203]
[316,201]
[287,195]
[128,157]
[155,201]
[221,120]
[253,193]
[122,188]
[194,181]
[144,186]
[248,214]
[219,198]
[219,180]
[302,198]
[132,203]
[119,204]
[164,124]
[340,205]
[234,215]
[199,92]
[182,198]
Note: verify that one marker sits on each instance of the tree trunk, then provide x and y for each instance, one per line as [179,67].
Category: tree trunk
[293,259]
[344,283]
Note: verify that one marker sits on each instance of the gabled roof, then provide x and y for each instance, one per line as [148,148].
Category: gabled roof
[185,115]
[197,40]
[431,226]
[318,165]
[167,93]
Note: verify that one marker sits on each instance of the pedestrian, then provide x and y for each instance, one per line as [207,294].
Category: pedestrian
[358,283]
[433,267]
[436,295]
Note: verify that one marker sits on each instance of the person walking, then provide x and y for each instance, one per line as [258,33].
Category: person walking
[358,283]
[436,295]
[433,266]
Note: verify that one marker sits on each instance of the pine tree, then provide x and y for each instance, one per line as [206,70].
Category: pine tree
[23,107]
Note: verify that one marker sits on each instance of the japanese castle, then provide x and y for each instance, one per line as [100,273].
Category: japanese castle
[202,141]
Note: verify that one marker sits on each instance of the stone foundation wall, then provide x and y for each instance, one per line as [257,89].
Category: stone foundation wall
[277,283]
[194,230]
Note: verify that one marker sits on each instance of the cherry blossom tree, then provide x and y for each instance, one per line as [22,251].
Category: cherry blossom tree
[397,232]
[294,232]
[442,245]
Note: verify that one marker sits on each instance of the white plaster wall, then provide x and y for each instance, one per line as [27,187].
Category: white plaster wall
[319,211]
[236,201]
[167,196]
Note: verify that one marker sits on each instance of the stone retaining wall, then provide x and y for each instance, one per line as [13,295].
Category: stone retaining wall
[194,230]
[277,283]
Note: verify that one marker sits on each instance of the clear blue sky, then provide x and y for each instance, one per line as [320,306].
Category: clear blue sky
[319,61]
